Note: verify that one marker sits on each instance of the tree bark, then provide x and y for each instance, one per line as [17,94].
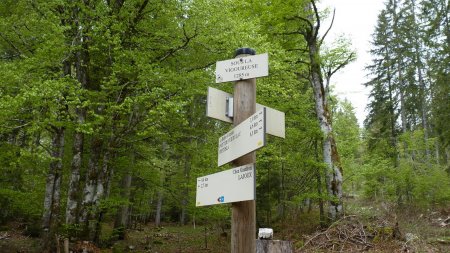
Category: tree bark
[243,224]
[90,185]
[81,68]
[102,186]
[50,218]
[329,149]
[319,189]
[73,192]
[159,207]
[422,86]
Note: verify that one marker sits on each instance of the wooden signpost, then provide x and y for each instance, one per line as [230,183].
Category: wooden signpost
[239,144]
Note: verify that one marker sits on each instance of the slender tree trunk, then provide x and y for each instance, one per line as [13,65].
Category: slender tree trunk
[282,197]
[50,218]
[158,209]
[424,110]
[436,146]
[422,86]
[402,105]
[159,202]
[391,108]
[122,220]
[446,154]
[184,201]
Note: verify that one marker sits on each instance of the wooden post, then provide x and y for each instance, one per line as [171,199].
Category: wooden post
[243,221]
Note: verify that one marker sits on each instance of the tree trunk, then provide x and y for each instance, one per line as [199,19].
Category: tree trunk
[102,185]
[319,189]
[243,214]
[90,186]
[160,191]
[158,208]
[330,154]
[184,201]
[422,87]
[121,221]
[73,192]
[81,68]
[50,218]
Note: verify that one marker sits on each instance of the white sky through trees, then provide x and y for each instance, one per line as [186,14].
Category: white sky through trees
[356,19]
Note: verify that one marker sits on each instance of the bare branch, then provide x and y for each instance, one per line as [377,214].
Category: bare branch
[329,28]
[343,64]
[187,39]
[316,13]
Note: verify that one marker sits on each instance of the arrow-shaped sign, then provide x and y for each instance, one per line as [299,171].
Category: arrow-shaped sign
[217,104]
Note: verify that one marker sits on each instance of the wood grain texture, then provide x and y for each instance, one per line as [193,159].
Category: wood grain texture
[243,221]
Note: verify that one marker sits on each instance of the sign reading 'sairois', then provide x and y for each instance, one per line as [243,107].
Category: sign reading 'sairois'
[246,137]
[242,68]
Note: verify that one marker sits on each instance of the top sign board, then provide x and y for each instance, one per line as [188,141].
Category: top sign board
[242,68]
[246,137]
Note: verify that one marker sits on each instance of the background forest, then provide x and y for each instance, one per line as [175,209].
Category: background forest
[103,122]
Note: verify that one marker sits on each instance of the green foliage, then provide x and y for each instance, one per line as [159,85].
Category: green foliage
[16,204]
[147,69]
[411,182]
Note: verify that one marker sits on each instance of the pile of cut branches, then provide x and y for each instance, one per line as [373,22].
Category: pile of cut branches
[348,234]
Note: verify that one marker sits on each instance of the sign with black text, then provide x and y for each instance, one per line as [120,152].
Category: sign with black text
[242,68]
[246,137]
[237,184]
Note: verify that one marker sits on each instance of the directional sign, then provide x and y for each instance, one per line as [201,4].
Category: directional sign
[246,137]
[216,104]
[216,108]
[228,186]
[242,68]
[275,121]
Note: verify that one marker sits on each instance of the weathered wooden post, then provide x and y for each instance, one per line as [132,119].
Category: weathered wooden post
[237,185]
[243,221]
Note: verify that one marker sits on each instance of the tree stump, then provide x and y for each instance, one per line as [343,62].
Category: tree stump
[274,246]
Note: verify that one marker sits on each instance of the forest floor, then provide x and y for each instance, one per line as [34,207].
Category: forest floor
[377,227]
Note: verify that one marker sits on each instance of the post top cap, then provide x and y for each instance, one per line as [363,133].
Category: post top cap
[245,50]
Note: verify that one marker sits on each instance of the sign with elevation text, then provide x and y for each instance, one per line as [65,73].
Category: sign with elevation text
[242,68]
[246,137]
[237,184]
[216,108]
